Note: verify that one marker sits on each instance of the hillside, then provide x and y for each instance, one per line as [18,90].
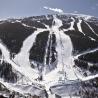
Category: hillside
[53,54]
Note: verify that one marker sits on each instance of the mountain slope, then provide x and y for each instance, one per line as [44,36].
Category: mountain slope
[43,50]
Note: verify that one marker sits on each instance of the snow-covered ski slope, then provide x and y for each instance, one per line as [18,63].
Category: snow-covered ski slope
[60,52]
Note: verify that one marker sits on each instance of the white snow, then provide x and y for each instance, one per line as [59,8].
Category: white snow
[81,77]
[22,58]
[64,49]
[91,29]
[87,78]
[92,38]
[71,97]
[23,89]
[65,59]
[85,52]
[25,25]
[46,52]
[71,25]
[18,21]
[6,55]
[87,17]
[79,26]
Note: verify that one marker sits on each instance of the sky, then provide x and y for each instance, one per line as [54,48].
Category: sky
[24,8]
